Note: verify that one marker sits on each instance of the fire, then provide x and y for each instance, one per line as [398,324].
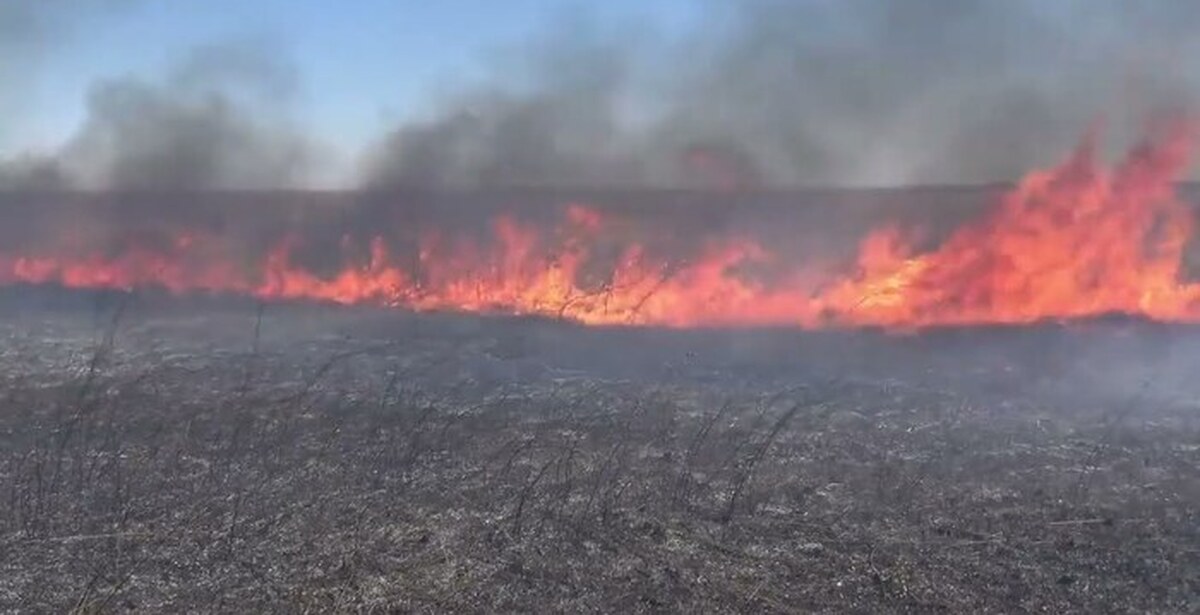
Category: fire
[1073,241]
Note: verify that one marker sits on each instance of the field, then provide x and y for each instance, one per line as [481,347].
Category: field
[210,454]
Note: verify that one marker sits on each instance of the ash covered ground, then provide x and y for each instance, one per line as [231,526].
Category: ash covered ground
[208,454]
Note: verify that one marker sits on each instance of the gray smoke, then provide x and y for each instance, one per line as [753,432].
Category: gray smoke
[30,173]
[27,29]
[552,115]
[802,92]
[211,123]
[770,93]
[215,121]
[30,30]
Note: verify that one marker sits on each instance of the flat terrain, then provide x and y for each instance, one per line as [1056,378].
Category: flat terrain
[209,455]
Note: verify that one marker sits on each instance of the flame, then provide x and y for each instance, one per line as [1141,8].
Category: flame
[1072,241]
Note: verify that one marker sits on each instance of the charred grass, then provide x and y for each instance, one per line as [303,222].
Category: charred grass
[163,467]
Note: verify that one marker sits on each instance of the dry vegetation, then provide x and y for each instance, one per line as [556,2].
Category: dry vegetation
[199,458]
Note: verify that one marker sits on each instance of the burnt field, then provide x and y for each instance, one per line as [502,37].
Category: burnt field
[208,454]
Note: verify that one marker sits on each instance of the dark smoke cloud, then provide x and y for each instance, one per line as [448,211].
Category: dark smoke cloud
[213,122]
[552,115]
[762,93]
[210,124]
[29,172]
[799,92]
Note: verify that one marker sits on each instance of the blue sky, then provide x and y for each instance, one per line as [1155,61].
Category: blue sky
[364,64]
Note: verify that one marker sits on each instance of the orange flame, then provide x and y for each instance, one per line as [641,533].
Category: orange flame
[1074,241]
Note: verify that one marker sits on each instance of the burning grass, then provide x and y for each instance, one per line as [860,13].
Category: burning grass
[1074,241]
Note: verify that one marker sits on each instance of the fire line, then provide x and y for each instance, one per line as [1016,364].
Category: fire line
[1073,241]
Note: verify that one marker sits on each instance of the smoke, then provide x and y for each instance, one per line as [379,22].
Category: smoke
[551,115]
[26,27]
[761,93]
[29,173]
[209,124]
[217,120]
[784,93]
[31,31]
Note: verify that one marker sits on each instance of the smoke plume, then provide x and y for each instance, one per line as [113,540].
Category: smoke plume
[550,117]
[208,124]
[211,123]
[784,93]
[761,93]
